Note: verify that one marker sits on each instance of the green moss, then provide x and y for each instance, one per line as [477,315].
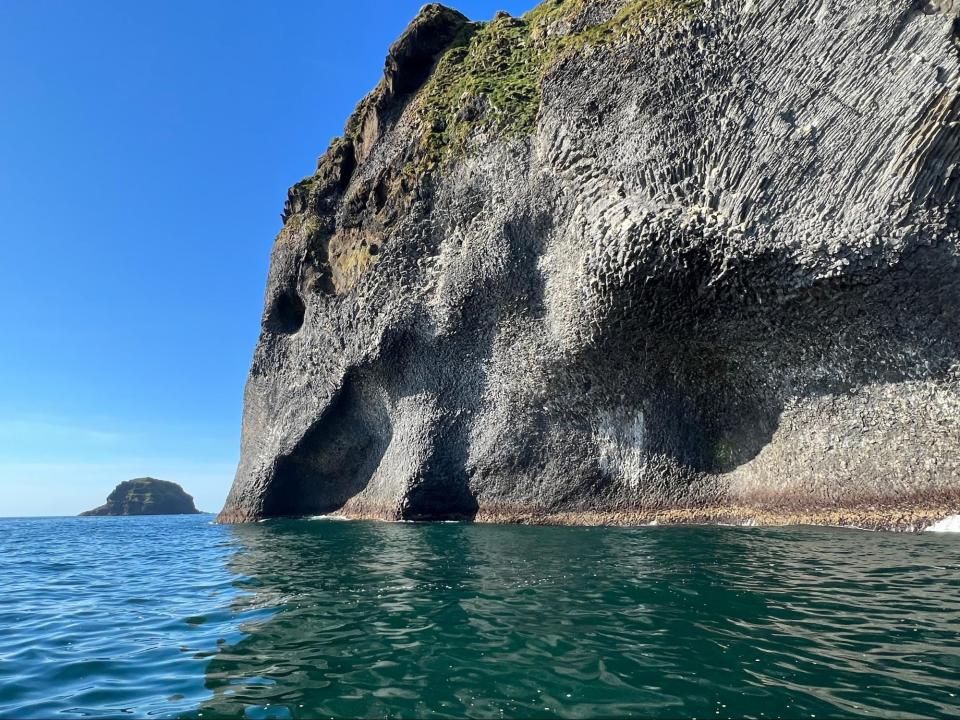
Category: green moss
[305,188]
[350,265]
[491,76]
[631,16]
[299,225]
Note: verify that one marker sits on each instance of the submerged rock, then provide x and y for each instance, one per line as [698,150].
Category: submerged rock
[620,261]
[146,496]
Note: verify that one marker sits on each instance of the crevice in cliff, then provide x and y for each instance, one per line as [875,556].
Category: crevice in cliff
[443,490]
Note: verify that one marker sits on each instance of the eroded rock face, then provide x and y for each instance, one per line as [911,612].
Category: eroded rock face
[146,496]
[623,261]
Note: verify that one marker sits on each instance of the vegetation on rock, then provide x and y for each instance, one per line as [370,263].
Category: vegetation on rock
[452,81]
[490,79]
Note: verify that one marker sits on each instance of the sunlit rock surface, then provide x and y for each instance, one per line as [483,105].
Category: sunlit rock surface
[625,261]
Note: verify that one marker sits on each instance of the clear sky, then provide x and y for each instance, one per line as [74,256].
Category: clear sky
[145,152]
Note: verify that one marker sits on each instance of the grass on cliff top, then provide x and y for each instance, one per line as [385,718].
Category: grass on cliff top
[491,76]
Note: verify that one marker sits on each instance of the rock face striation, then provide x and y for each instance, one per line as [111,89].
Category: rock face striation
[620,261]
[146,496]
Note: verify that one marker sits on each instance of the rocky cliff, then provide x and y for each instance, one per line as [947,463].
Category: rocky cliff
[620,261]
[146,496]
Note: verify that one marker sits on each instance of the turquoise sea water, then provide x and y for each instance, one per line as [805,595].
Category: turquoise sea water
[177,617]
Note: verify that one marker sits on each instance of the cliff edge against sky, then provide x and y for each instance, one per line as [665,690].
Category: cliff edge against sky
[623,261]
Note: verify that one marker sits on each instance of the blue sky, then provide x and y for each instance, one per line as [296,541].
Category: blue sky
[145,152]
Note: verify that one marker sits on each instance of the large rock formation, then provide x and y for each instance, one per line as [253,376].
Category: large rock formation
[146,496]
[624,261]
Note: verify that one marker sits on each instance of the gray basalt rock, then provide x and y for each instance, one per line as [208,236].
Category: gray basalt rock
[623,261]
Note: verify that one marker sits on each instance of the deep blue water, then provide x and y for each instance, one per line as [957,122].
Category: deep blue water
[177,617]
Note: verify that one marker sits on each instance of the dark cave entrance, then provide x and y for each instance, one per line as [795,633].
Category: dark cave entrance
[336,457]
[286,314]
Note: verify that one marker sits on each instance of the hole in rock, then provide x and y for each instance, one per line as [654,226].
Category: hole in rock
[287,313]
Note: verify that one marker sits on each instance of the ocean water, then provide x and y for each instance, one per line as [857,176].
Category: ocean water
[177,617]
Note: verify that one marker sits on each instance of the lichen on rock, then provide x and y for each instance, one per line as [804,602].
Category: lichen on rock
[626,261]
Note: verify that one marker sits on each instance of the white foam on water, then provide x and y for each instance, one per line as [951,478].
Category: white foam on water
[328,517]
[947,525]
[748,523]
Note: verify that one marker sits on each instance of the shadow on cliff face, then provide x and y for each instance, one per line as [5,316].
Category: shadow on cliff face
[707,367]
[425,476]
[336,457]
[722,360]
[458,364]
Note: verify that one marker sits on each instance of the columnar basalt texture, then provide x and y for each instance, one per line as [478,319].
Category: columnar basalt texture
[624,261]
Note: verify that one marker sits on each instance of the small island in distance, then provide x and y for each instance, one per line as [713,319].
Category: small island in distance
[146,496]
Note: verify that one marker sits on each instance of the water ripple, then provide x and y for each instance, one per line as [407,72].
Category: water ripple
[95,617]
[176,617]
[485,621]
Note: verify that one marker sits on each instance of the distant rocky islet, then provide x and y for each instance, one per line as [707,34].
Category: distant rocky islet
[146,496]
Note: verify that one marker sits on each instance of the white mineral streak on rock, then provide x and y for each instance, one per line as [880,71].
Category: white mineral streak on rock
[619,440]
